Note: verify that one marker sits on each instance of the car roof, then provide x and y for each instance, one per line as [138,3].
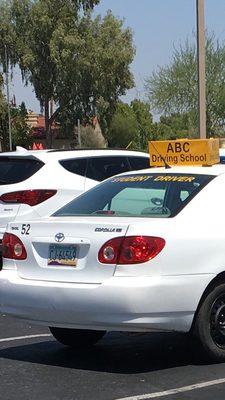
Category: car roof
[47,155]
[216,169]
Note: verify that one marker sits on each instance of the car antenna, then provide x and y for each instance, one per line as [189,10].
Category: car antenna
[167,166]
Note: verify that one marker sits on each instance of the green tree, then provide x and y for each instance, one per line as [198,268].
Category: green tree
[27,35]
[123,130]
[180,124]
[145,122]
[21,133]
[3,114]
[173,88]
[7,36]
[93,60]
[79,62]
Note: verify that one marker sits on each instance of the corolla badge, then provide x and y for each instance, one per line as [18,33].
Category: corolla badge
[59,237]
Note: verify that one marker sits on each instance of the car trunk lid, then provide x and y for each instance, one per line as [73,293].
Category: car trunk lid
[67,250]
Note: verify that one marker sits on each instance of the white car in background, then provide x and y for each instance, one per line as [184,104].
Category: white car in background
[142,251]
[36,183]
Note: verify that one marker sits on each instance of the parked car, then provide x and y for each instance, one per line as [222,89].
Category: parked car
[141,251]
[36,183]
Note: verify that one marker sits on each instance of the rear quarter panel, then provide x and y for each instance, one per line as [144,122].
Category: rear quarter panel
[195,238]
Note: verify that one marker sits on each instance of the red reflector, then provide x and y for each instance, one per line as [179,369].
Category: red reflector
[30,197]
[130,249]
[13,248]
[108,253]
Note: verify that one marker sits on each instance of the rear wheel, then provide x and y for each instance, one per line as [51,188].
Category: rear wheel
[76,338]
[209,326]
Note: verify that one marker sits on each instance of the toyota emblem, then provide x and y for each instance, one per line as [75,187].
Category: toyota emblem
[59,237]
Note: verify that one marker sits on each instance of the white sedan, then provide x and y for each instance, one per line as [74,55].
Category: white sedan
[143,251]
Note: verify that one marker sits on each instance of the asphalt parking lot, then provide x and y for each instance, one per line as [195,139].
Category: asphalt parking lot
[34,366]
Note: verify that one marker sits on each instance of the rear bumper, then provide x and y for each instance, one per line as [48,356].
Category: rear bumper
[120,303]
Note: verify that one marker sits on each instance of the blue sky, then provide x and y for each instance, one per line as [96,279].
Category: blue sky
[158,26]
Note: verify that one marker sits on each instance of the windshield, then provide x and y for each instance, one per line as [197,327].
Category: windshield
[141,195]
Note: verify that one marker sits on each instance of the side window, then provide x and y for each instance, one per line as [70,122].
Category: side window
[139,163]
[184,195]
[75,165]
[100,168]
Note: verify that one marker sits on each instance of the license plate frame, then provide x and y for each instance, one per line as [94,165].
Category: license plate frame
[61,255]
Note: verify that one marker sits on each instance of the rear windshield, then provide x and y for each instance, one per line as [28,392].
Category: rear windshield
[14,170]
[142,195]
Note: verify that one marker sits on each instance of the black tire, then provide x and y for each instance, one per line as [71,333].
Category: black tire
[76,338]
[209,325]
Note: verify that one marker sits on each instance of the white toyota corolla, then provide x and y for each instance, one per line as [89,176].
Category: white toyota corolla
[143,251]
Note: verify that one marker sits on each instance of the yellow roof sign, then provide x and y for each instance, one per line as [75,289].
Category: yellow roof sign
[184,152]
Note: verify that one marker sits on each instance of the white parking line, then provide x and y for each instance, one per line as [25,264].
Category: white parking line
[175,391]
[11,339]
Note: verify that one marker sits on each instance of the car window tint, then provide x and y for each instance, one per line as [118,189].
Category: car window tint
[100,168]
[14,170]
[138,195]
[76,165]
[139,163]
[135,200]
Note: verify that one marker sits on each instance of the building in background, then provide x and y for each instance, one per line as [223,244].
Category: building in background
[91,134]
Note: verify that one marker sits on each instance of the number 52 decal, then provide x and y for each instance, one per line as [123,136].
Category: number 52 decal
[25,229]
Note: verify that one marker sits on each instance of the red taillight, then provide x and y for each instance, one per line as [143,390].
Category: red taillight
[130,249]
[13,248]
[30,197]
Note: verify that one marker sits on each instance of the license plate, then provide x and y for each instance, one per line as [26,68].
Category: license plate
[62,255]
